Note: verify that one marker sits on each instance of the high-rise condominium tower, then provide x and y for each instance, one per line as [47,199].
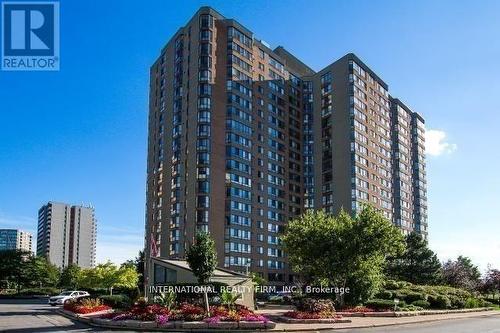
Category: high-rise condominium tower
[67,234]
[14,239]
[242,138]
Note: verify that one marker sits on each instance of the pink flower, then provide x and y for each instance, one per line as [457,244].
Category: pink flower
[212,320]
[255,317]
[161,319]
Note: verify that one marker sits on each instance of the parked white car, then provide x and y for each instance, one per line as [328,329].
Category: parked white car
[66,296]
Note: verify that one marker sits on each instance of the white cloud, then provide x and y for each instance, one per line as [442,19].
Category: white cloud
[436,144]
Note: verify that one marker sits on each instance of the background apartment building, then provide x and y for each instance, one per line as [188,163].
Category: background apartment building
[409,174]
[15,239]
[242,138]
[67,234]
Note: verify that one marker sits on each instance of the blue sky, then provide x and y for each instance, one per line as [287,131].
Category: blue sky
[79,135]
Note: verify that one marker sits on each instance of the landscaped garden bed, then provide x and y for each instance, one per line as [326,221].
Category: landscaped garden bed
[185,316]
[86,306]
[311,310]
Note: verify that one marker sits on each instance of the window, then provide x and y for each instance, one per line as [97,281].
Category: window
[202,145]
[204,130]
[205,35]
[205,89]
[206,21]
[237,126]
[233,33]
[205,49]
[204,116]
[203,158]
[203,186]
[203,201]
[276,64]
[205,75]
[205,62]
[204,102]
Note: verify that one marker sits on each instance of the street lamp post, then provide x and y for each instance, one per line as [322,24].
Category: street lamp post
[396,302]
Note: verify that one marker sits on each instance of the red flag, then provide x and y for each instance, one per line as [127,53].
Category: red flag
[154,247]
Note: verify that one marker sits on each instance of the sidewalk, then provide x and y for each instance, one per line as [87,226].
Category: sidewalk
[366,322]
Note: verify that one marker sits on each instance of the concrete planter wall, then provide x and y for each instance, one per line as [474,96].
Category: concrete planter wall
[183,325]
[93,319]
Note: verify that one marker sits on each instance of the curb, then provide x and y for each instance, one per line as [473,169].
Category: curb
[87,321]
[226,327]
[383,325]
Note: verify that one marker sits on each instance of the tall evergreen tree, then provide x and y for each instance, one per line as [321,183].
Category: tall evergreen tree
[202,257]
[418,264]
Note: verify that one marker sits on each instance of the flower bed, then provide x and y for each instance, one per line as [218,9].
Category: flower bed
[301,317]
[311,315]
[358,309]
[85,307]
[187,316]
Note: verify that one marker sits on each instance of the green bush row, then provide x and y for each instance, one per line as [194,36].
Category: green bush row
[116,301]
[430,297]
[40,291]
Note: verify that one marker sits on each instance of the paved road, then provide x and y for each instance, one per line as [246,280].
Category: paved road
[36,316]
[490,324]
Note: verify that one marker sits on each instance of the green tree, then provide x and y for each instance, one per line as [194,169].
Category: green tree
[418,264]
[341,250]
[202,257]
[126,277]
[13,267]
[70,277]
[461,273]
[88,278]
[108,276]
[138,265]
[39,272]
[257,280]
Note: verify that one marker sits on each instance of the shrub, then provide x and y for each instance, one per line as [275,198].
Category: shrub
[116,301]
[166,299]
[90,302]
[439,302]
[391,284]
[380,304]
[315,305]
[457,302]
[471,303]
[413,296]
[229,299]
[411,308]
[84,306]
[40,291]
[385,294]
[421,303]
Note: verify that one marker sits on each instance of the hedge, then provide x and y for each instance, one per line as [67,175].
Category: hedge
[421,303]
[380,304]
[116,301]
